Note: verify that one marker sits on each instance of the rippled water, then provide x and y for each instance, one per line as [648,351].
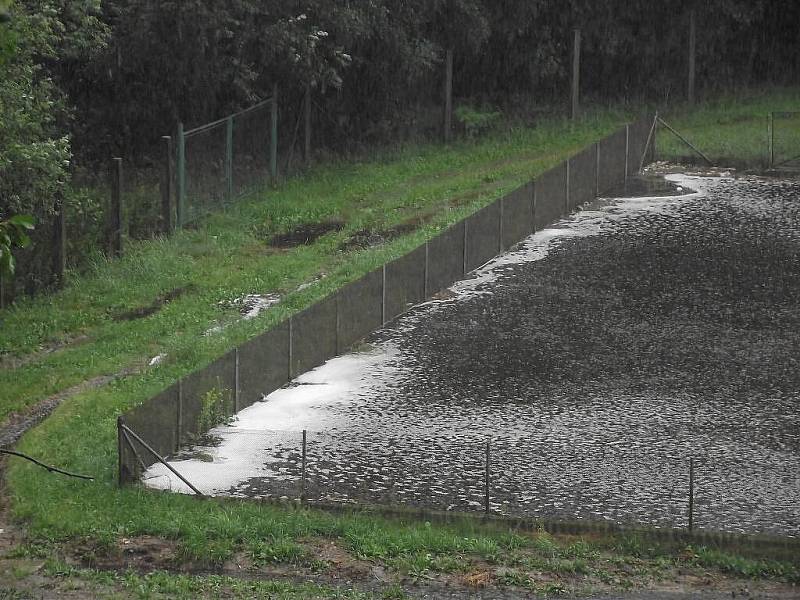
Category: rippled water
[595,360]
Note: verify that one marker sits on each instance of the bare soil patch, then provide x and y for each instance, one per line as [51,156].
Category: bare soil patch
[305,234]
[155,306]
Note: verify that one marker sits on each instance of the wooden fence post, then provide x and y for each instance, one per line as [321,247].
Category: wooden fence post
[448,96]
[229,160]
[273,148]
[117,219]
[181,179]
[576,72]
[167,222]
[60,257]
[692,53]
[307,132]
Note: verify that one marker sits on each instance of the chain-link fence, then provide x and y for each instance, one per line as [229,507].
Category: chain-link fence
[784,150]
[220,161]
[754,142]
[541,475]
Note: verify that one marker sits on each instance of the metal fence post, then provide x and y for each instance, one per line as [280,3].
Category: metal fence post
[116,220]
[273,148]
[303,471]
[576,72]
[181,166]
[691,494]
[236,391]
[307,126]
[771,139]
[597,171]
[627,152]
[229,159]
[692,53]
[120,459]
[448,95]
[488,468]
[166,186]
[60,258]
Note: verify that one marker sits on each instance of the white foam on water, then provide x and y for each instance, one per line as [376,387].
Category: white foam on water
[584,223]
[308,403]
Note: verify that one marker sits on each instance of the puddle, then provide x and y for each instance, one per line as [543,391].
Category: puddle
[597,358]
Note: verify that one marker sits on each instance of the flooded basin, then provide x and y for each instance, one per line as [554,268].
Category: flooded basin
[587,368]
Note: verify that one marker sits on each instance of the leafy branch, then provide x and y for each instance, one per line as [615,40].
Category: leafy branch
[13,234]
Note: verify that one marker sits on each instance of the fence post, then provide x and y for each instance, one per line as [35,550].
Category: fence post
[597,171]
[229,160]
[2,292]
[116,222]
[303,471]
[273,147]
[60,258]
[307,128]
[655,139]
[181,166]
[179,416]
[166,185]
[771,139]
[627,152]
[692,53]
[488,468]
[120,461]
[236,380]
[576,71]
[691,494]
[448,95]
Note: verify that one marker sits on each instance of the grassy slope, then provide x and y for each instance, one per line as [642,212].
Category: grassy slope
[732,130]
[229,257]
[225,259]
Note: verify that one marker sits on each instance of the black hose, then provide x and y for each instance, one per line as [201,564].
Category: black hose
[44,466]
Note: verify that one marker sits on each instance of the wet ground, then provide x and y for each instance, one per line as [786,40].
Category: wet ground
[592,364]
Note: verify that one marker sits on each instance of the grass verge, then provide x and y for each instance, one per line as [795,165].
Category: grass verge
[733,131]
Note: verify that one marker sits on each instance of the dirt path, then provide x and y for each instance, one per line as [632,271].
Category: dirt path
[15,426]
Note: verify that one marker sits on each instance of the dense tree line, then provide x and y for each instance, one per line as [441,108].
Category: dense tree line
[124,72]
[98,77]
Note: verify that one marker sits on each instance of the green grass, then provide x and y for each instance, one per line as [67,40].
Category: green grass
[733,130]
[225,258]
[228,256]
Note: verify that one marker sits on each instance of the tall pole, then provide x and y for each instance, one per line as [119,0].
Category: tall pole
[60,258]
[691,494]
[229,160]
[448,95]
[307,119]
[115,239]
[273,145]
[576,72]
[486,503]
[692,53]
[166,185]
[180,208]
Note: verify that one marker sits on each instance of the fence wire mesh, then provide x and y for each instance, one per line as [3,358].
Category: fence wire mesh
[205,172]
[785,139]
[536,476]
[251,148]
